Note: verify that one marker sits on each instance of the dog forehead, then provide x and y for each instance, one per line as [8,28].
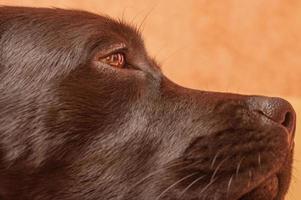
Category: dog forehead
[57,37]
[67,25]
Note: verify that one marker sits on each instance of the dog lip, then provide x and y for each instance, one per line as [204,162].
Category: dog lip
[290,135]
[270,186]
[289,132]
[266,190]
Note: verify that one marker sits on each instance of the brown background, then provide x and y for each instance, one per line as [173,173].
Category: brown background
[245,46]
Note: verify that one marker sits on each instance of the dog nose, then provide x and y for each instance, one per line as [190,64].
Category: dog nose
[276,109]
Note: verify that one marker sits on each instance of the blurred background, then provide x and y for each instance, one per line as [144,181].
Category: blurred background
[242,46]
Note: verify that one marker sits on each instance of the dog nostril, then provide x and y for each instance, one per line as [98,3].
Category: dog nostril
[288,121]
[276,109]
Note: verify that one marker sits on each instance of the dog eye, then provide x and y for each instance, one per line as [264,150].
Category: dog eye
[115,60]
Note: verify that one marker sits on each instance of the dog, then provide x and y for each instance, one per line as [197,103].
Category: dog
[86,113]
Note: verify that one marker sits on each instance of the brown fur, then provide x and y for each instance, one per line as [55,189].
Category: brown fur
[71,128]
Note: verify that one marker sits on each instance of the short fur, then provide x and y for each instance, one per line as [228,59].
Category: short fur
[72,128]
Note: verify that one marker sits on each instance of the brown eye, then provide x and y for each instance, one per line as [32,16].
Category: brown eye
[115,60]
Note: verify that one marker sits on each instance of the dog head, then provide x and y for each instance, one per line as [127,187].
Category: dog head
[85,113]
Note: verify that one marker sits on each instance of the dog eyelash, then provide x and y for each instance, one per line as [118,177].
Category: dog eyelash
[116,59]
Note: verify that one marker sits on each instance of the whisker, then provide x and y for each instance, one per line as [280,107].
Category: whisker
[207,186]
[238,166]
[123,14]
[182,179]
[250,177]
[217,168]
[173,53]
[214,159]
[154,173]
[191,184]
[140,27]
[229,185]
